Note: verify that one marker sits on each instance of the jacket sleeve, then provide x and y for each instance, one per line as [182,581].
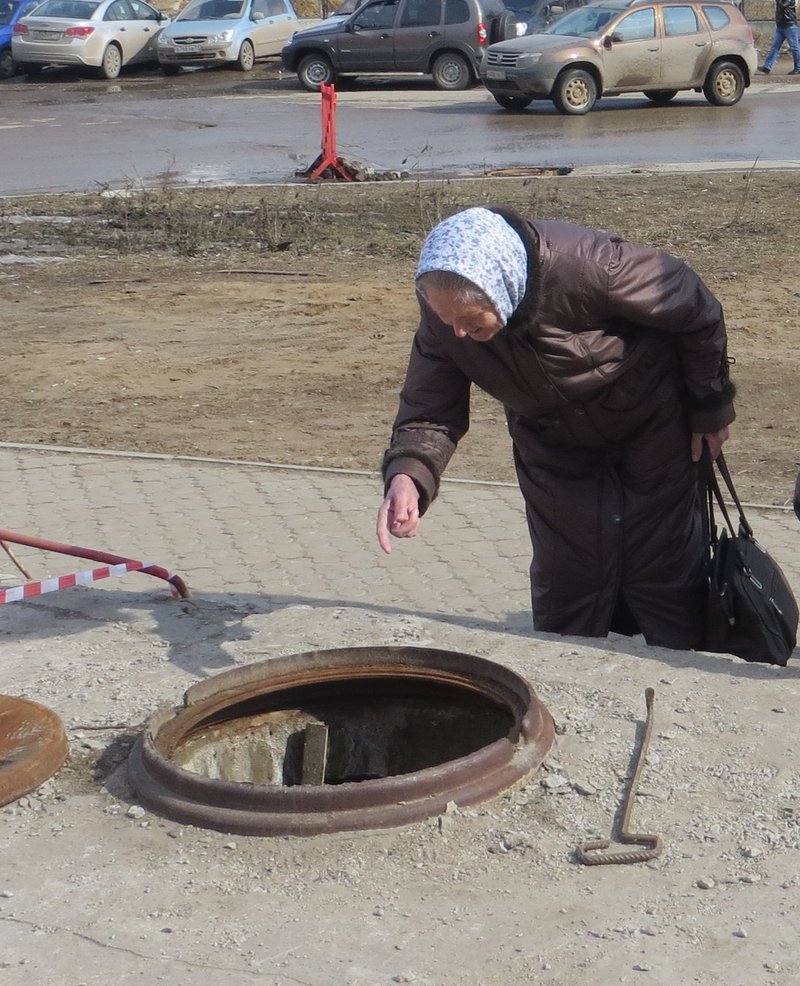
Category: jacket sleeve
[432,418]
[651,288]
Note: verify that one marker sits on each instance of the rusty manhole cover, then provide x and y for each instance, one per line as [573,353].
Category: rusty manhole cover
[32,746]
[340,740]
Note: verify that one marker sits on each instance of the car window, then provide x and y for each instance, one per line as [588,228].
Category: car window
[143,11]
[75,10]
[269,8]
[680,20]
[717,17]
[636,26]
[583,23]
[376,17]
[211,10]
[6,12]
[456,12]
[120,10]
[421,13]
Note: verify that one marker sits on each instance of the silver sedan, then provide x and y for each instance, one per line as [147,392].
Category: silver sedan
[105,35]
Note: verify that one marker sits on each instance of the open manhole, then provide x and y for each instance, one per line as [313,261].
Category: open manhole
[338,740]
[33,746]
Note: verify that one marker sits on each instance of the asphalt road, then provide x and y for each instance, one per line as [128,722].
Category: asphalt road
[65,132]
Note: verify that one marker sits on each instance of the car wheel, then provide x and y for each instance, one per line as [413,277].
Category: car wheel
[574,92]
[724,85]
[511,102]
[247,57]
[662,95]
[503,27]
[7,66]
[451,71]
[315,71]
[170,69]
[111,63]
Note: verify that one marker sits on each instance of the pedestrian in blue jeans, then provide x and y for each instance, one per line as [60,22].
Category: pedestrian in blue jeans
[785,30]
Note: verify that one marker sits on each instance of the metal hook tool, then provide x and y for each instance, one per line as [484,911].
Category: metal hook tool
[593,853]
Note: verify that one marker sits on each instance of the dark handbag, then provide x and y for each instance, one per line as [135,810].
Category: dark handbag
[752,611]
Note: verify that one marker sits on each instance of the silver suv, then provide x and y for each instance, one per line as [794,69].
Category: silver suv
[658,47]
[442,38]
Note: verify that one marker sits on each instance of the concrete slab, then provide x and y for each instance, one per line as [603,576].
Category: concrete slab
[95,890]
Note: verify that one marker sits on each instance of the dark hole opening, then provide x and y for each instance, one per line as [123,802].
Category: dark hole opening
[376,727]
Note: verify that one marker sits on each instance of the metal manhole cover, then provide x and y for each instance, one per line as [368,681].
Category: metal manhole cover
[33,746]
[340,740]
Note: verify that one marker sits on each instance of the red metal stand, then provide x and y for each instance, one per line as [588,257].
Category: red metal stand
[328,160]
[115,565]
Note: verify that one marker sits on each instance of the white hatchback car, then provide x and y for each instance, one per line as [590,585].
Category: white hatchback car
[103,34]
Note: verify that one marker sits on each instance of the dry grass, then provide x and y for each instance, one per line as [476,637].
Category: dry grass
[716,221]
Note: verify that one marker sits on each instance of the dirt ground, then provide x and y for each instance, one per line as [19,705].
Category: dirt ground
[274,323]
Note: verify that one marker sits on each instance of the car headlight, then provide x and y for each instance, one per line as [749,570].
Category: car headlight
[528,60]
[222,36]
[164,41]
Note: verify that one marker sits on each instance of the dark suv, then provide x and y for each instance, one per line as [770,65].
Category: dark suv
[442,38]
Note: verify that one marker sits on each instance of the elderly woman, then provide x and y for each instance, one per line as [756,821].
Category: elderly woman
[610,360]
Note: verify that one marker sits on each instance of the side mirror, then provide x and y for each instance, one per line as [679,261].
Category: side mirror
[609,39]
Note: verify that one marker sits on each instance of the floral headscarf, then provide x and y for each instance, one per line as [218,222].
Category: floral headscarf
[480,245]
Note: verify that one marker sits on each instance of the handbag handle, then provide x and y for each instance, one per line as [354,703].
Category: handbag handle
[714,493]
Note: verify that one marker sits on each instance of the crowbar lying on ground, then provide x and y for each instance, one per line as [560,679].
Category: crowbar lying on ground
[594,853]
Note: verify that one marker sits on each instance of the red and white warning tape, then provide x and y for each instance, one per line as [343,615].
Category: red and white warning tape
[117,565]
[17,592]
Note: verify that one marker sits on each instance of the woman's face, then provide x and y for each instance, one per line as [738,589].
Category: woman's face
[478,322]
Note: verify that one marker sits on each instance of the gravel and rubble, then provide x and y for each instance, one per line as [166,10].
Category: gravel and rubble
[97,887]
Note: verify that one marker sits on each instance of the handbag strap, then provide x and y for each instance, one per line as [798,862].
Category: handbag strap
[705,475]
[716,494]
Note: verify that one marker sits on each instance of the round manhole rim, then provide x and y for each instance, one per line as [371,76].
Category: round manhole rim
[395,800]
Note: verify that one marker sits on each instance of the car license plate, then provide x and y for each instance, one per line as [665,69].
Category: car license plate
[189,48]
[46,35]
[493,73]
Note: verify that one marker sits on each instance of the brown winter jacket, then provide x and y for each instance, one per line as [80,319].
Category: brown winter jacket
[596,307]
